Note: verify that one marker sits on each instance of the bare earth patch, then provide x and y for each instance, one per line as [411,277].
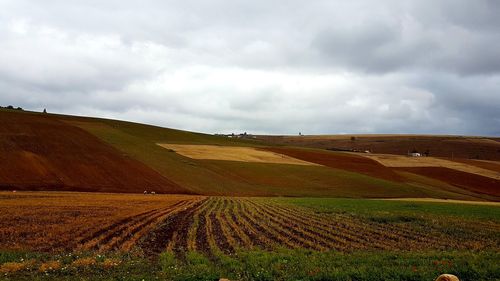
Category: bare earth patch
[233,153]
[405,161]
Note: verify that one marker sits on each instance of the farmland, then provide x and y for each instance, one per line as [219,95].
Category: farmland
[73,205]
[465,147]
[82,221]
[69,153]
[179,228]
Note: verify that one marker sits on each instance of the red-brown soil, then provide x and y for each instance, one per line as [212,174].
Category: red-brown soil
[39,152]
[342,161]
[472,182]
[483,148]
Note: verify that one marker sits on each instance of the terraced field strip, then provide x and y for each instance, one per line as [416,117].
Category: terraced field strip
[405,161]
[232,153]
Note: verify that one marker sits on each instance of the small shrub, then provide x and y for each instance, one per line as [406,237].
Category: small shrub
[11,267]
[110,263]
[167,261]
[50,266]
[84,262]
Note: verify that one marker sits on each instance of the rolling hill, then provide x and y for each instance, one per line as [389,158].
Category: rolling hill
[59,152]
[462,147]
[40,152]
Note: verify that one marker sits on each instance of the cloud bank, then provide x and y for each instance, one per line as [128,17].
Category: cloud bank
[276,67]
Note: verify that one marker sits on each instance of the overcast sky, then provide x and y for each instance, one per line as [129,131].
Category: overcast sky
[260,66]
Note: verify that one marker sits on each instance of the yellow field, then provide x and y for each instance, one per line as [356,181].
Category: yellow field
[233,153]
[486,203]
[405,161]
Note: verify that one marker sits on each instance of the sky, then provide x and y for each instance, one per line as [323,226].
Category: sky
[260,66]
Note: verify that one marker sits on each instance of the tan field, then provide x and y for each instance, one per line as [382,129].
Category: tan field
[405,161]
[434,200]
[233,153]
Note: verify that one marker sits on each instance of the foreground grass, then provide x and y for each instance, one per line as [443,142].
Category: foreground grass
[256,265]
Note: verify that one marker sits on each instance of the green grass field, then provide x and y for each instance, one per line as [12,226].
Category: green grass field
[279,265]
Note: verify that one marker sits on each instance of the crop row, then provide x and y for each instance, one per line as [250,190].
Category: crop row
[222,224]
[213,225]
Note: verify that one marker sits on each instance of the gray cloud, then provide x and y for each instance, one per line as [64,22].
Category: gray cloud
[263,67]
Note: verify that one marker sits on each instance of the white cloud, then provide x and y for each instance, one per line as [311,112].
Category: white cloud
[261,67]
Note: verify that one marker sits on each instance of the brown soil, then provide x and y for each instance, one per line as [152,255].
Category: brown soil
[344,161]
[39,152]
[472,182]
[156,240]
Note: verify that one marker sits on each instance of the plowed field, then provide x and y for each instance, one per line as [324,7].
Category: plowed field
[213,225]
[82,221]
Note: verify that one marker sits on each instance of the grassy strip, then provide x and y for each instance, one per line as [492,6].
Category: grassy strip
[311,265]
[282,264]
[395,209]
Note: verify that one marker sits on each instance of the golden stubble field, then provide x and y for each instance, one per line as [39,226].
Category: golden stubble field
[55,221]
[396,161]
[233,153]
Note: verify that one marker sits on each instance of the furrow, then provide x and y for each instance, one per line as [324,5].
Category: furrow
[127,241]
[258,239]
[203,241]
[93,238]
[356,236]
[158,239]
[224,239]
[240,239]
[316,233]
[266,228]
[302,238]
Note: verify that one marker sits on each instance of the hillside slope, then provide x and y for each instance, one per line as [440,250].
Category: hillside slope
[212,177]
[341,175]
[39,152]
[59,152]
